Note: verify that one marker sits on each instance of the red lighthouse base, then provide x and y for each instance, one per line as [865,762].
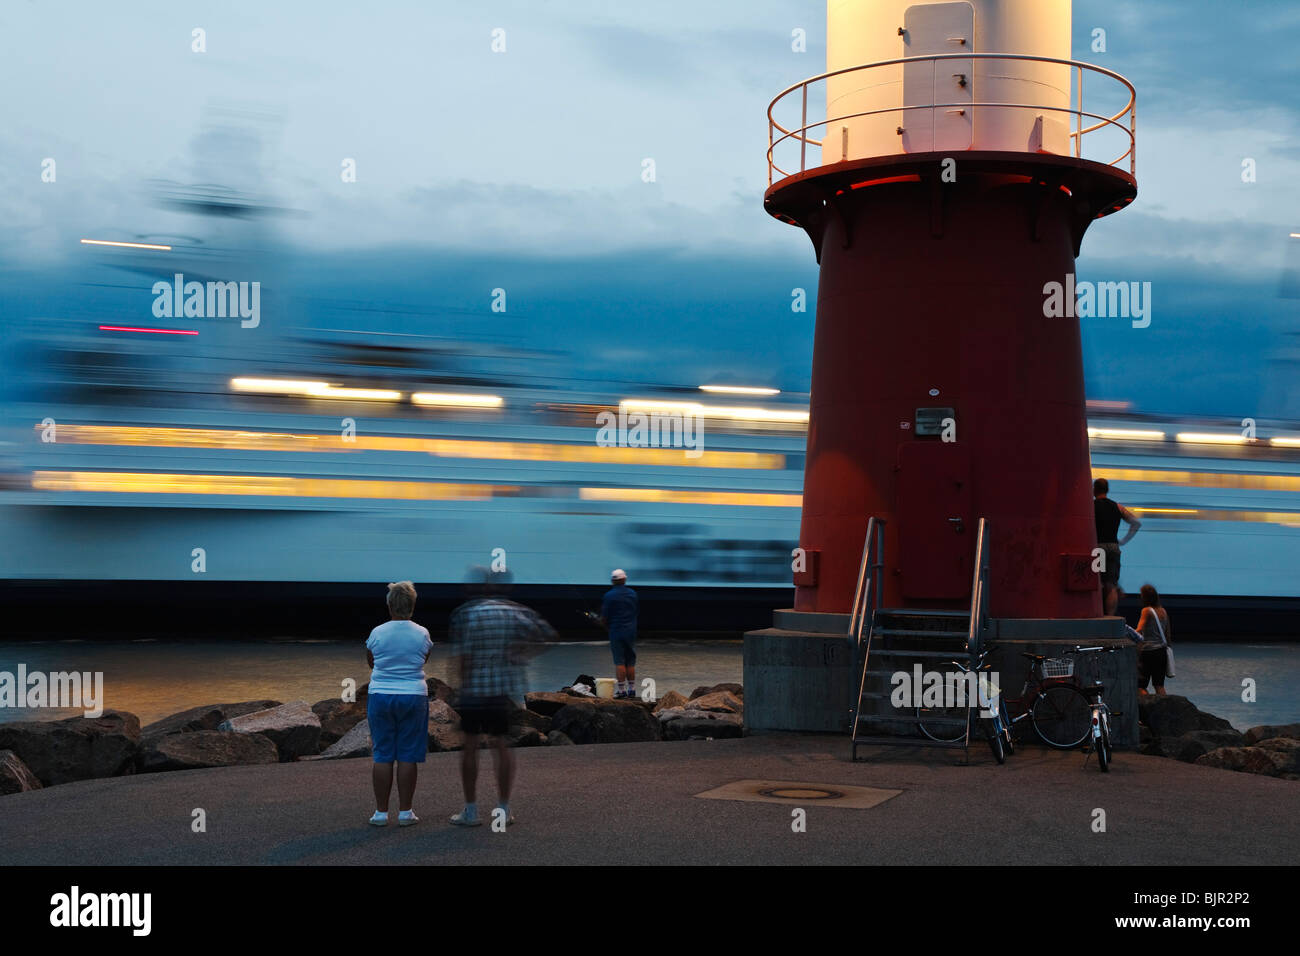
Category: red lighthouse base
[941,392]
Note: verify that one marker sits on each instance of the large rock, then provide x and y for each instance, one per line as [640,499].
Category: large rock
[1149,743]
[525,737]
[528,728]
[1269,732]
[337,717]
[524,717]
[355,743]
[1284,752]
[695,724]
[1246,759]
[736,689]
[78,748]
[1169,715]
[548,704]
[14,775]
[558,738]
[598,721]
[207,717]
[444,728]
[669,700]
[293,728]
[205,748]
[1190,746]
[719,702]
[439,690]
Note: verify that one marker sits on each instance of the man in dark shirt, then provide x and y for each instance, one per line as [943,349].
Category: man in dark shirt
[1108,515]
[618,613]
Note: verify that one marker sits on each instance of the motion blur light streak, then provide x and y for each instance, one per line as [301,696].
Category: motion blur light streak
[1210,438]
[310,389]
[1201,479]
[128,328]
[126,245]
[670,496]
[123,435]
[262,485]
[713,411]
[1126,434]
[740,390]
[452,399]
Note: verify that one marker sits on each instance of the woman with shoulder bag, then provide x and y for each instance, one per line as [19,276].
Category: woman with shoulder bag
[1155,656]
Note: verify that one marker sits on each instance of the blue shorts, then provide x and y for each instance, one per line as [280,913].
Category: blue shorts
[399,727]
[624,649]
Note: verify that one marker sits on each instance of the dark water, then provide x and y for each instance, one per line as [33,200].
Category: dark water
[154,679]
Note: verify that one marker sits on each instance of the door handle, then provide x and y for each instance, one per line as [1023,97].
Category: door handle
[958,524]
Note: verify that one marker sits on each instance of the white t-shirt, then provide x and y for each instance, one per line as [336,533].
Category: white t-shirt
[399,648]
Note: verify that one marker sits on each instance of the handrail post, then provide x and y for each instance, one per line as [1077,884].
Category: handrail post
[1078,136]
[877,565]
[803,133]
[975,633]
[862,571]
[1133,138]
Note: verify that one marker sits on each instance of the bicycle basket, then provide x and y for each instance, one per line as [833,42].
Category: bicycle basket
[1058,667]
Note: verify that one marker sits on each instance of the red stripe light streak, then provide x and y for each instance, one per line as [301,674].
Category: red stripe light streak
[129,328]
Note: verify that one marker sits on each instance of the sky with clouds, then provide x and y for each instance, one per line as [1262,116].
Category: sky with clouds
[523,170]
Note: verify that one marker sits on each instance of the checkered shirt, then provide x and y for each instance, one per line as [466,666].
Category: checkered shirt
[490,633]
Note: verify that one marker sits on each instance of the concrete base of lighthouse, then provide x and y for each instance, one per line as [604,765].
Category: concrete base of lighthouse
[799,674]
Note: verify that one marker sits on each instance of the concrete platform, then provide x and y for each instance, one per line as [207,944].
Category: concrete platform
[638,803]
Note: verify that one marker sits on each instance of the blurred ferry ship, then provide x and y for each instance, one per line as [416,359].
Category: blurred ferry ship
[172,448]
[145,453]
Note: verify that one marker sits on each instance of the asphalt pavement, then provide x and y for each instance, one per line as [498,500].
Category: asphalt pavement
[637,803]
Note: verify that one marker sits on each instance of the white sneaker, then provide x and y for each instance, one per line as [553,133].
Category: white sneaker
[463,820]
[378,819]
[407,818]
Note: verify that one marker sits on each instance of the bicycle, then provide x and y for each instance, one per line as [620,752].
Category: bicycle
[1099,716]
[946,724]
[1051,700]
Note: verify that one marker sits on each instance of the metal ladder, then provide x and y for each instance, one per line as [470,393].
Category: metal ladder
[903,637]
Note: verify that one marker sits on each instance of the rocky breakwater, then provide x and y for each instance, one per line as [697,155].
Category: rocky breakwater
[709,713]
[1172,726]
[40,754]
[62,751]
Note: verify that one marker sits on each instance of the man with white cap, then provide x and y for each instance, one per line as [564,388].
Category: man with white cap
[618,614]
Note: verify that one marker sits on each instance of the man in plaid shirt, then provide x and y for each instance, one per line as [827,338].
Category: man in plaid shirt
[492,638]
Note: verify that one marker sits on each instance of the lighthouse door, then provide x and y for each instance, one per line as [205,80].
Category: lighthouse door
[937,94]
[935,528]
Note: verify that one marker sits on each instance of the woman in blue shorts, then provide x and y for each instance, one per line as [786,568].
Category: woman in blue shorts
[397,704]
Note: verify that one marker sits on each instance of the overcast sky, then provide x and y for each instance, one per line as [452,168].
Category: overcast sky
[475,168]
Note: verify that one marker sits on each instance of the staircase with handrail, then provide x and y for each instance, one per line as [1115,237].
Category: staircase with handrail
[904,637]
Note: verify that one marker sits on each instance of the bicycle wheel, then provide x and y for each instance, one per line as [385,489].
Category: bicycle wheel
[939,727]
[1062,716]
[1103,748]
[995,741]
[1006,727]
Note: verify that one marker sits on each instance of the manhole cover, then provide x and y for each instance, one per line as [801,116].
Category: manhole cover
[802,793]
[796,791]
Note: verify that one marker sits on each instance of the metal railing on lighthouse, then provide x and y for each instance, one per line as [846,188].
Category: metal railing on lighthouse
[1124,121]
